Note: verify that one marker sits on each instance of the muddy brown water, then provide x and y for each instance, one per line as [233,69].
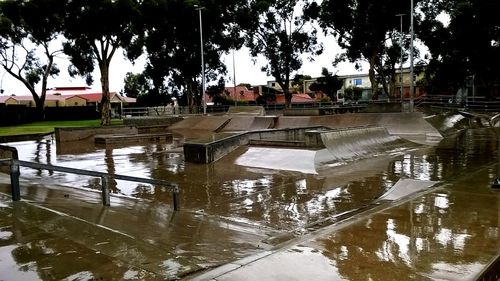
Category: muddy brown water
[228,210]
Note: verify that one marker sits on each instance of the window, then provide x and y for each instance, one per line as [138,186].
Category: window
[358,82]
[273,84]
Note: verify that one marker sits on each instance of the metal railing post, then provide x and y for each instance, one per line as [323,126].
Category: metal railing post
[14,180]
[105,191]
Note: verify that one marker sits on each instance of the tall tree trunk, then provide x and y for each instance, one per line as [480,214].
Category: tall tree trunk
[190,95]
[371,75]
[105,100]
[288,100]
[392,85]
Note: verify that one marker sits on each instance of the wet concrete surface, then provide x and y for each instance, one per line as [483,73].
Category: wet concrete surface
[450,233]
[230,211]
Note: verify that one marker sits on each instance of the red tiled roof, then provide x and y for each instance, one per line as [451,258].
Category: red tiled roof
[296,98]
[92,97]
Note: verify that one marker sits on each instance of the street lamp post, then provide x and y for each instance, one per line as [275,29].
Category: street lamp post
[401,62]
[411,58]
[234,81]
[202,61]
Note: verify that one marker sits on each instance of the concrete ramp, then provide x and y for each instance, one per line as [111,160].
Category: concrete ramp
[248,123]
[411,126]
[448,123]
[352,144]
[405,187]
[263,122]
[208,123]
[293,122]
[246,110]
[238,123]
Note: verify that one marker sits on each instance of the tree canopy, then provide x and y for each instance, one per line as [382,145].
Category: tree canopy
[327,84]
[280,30]
[465,49]
[167,32]
[28,43]
[170,35]
[94,30]
[368,30]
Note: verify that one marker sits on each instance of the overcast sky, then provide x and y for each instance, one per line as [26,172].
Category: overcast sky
[246,70]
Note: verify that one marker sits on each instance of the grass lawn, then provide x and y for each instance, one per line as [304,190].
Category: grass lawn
[48,126]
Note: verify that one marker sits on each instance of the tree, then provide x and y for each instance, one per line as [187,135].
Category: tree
[94,30]
[467,48]
[280,30]
[216,92]
[170,34]
[298,82]
[139,86]
[26,43]
[353,93]
[328,84]
[135,85]
[367,31]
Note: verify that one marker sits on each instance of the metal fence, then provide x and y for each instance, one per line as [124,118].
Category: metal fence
[15,174]
[216,109]
[479,104]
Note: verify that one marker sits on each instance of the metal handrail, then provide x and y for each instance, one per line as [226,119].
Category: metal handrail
[15,173]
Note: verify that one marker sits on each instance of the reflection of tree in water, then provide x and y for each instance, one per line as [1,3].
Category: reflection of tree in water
[43,154]
[110,165]
[471,148]
[416,237]
[95,183]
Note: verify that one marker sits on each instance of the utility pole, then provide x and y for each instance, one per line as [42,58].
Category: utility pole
[401,62]
[234,80]
[202,61]
[412,76]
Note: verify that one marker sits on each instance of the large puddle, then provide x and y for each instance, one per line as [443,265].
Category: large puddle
[250,201]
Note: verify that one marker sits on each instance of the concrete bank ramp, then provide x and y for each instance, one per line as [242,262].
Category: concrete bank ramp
[406,187]
[353,144]
[248,123]
[210,123]
[342,147]
[246,110]
[448,123]
[412,126]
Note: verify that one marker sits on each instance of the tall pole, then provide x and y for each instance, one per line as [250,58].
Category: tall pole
[234,80]
[411,59]
[401,62]
[202,62]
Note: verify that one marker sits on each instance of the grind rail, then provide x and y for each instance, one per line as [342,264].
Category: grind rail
[15,174]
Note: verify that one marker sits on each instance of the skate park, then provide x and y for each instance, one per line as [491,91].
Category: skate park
[381,196]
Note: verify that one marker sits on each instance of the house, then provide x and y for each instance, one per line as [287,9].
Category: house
[8,100]
[71,96]
[362,80]
[241,93]
[296,98]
